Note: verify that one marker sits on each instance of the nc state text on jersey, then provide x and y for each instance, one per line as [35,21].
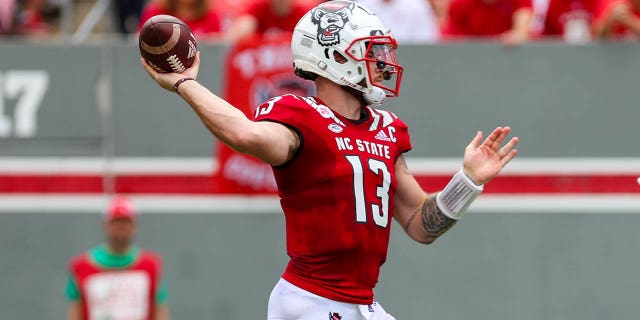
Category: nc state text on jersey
[372,148]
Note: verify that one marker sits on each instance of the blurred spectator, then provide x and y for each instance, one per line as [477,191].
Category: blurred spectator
[128,14]
[440,9]
[266,17]
[570,19]
[618,19]
[30,20]
[7,9]
[410,21]
[539,15]
[204,21]
[117,280]
[510,20]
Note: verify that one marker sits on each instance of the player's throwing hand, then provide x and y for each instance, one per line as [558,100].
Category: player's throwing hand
[168,81]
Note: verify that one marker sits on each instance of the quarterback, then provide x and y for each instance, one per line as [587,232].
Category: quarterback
[338,162]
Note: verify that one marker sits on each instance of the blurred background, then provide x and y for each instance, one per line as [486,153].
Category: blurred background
[551,238]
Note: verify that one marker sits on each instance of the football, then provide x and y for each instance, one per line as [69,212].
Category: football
[167,44]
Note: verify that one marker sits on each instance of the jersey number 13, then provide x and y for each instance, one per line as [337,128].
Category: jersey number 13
[380,212]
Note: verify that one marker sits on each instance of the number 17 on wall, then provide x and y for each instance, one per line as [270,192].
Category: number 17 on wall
[27,88]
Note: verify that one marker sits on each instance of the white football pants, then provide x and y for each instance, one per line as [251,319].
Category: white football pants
[288,302]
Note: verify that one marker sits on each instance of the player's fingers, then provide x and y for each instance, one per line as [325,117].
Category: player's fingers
[196,61]
[147,67]
[144,64]
[508,157]
[503,135]
[508,147]
[492,137]
[195,67]
[475,143]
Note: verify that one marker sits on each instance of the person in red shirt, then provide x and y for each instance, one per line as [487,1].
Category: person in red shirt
[31,21]
[117,280]
[338,161]
[618,19]
[509,20]
[570,19]
[205,22]
[266,17]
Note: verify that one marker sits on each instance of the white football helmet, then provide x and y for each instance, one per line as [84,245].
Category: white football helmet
[346,43]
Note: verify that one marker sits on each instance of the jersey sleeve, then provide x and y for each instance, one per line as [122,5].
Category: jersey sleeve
[403,137]
[72,291]
[286,109]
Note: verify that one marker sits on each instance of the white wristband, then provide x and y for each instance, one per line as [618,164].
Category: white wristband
[456,197]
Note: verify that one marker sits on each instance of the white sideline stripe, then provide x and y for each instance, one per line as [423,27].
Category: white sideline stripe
[533,166]
[95,165]
[551,203]
[207,165]
[56,203]
[165,204]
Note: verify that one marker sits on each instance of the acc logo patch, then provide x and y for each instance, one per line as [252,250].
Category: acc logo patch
[335,127]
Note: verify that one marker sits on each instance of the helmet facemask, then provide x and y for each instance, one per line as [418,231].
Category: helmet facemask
[381,62]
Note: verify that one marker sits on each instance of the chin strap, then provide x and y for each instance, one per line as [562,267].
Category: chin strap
[374,96]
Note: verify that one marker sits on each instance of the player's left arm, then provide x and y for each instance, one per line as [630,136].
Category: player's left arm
[415,210]
[425,217]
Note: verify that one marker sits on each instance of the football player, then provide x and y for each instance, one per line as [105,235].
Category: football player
[339,165]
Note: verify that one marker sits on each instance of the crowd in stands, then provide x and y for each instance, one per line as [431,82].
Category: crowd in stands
[412,21]
[27,16]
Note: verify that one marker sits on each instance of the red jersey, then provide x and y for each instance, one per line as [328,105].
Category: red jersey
[207,25]
[123,293]
[566,14]
[269,22]
[337,195]
[480,18]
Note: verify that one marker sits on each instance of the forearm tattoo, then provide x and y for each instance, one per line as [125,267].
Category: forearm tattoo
[434,222]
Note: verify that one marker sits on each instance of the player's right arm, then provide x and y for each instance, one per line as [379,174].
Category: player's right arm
[270,142]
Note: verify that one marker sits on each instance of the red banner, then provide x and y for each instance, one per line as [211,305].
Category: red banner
[255,71]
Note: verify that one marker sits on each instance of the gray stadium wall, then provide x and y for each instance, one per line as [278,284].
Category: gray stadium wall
[562,101]
[223,266]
